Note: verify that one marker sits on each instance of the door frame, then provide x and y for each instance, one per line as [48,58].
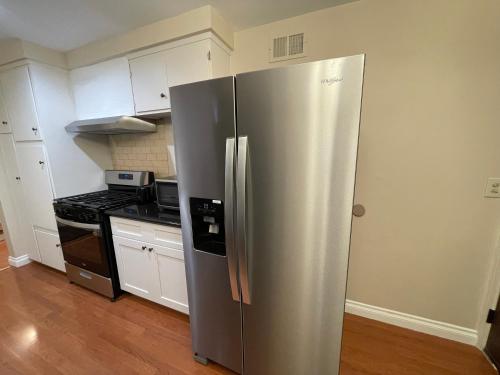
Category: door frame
[3,220]
[6,236]
[490,297]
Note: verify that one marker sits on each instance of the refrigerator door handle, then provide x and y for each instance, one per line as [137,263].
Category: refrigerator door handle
[241,217]
[229,219]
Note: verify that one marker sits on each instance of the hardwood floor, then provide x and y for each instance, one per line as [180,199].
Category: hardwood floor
[371,347]
[48,326]
[4,255]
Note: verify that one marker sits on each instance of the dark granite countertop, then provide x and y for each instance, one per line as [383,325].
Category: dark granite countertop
[148,212]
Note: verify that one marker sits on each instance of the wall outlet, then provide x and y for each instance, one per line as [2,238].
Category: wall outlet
[492,188]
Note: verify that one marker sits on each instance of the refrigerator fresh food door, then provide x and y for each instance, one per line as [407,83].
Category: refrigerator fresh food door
[297,133]
[204,131]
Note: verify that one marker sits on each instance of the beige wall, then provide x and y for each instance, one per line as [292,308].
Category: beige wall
[186,24]
[13,49]
[144,151]
[429,139]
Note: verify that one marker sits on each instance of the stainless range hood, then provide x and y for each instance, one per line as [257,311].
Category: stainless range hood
[112,125]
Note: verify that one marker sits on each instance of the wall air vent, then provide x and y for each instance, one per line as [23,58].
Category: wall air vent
[286,47]
[280,47]
[296,44]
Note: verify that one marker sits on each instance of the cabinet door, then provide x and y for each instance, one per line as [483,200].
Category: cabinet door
[4,117]
[171,278]
[20,104]
[50,249]
[149,82]
[37,187]
[188,63]
[135,267]
[22,237]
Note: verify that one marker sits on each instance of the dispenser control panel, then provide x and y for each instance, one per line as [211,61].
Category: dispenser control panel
[207,218]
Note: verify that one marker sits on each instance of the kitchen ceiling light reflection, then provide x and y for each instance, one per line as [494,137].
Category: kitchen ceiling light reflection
[29,336]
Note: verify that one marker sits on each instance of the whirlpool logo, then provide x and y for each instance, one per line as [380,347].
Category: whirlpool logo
[331,81]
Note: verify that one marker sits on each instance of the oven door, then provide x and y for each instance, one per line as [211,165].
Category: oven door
[83,245]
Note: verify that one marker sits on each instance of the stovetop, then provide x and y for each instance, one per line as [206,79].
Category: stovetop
[100,200]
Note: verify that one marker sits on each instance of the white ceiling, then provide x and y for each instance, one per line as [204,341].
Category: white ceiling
[68,24]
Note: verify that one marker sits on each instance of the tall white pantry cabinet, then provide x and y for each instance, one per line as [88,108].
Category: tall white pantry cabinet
[35,105]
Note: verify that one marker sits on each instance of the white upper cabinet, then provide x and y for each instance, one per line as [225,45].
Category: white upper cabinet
[4,117]
[188,63]
[176,64]
[20,104]
[149,83]
[103,90]
[37,185]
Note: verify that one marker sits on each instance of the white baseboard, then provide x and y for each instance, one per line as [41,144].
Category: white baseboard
[413,322]
[19,261]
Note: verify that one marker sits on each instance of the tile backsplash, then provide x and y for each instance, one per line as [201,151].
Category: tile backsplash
[150,151]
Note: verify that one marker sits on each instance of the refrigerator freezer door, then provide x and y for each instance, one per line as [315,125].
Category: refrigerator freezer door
[301,124]
[203,119]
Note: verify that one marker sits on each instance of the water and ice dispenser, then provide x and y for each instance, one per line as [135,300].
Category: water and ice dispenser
[207,217]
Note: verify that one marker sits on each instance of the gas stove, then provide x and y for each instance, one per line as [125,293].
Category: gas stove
[100,200]
[85,230]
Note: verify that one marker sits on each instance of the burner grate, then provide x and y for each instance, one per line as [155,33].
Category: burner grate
[101,200]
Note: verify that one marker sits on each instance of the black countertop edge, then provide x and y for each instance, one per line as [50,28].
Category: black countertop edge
[149,213]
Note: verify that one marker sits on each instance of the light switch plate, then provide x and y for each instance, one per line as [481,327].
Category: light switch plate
[492,188]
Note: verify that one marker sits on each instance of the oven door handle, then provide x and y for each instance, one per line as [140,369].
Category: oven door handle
[78,225]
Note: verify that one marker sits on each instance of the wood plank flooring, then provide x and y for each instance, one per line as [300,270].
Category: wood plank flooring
[48,326]
[371,347]
[4,255]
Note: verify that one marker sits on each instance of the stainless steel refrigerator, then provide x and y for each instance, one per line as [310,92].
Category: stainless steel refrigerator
[266,165]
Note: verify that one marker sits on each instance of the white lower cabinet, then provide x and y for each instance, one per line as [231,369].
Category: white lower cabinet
[172,278]
[135,266]
[49,247]
[148,268]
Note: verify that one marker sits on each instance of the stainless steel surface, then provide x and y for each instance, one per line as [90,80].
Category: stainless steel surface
[90,280]
[358,210]
[232,259]
[203,118]
[241,215]
[139,178]
[302,125]
[75,224]
[166,179]
[112,125]
[165,198]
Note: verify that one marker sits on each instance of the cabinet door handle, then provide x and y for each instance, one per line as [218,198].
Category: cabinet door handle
[41,162]
[58,245]
[4,123]
[162,95]
[150,249]
[144,247]
[18,178]
[35,130]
